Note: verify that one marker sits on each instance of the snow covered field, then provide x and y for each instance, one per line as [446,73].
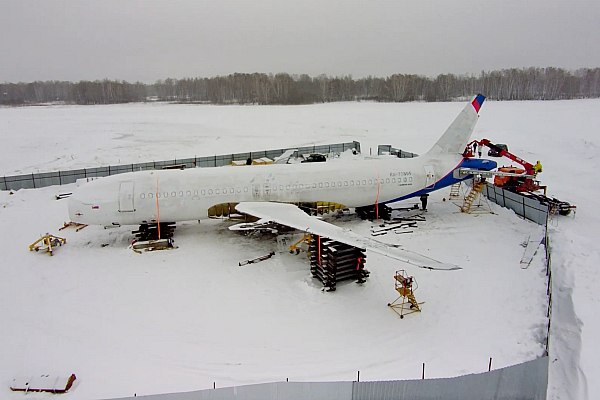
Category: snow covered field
[180,320]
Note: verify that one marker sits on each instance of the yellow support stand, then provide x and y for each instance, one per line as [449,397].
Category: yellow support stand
[295,247]
[47,243]
[75,225]
[406,303]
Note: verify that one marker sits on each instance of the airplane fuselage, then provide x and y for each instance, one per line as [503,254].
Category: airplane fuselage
[180,195]
[175,195]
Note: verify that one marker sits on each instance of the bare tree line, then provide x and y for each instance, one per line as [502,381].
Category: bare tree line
[259,88]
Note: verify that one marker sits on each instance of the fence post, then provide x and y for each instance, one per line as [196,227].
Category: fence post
[423,374]
[358,376]
[490,365]
[33,180]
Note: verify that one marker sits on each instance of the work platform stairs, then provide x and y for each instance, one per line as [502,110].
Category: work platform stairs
[405,303]
[473,194]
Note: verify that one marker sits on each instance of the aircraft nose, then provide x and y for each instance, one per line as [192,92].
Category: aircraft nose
[83,202]
[76,208]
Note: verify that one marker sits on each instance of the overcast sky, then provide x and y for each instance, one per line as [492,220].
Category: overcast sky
[150,40]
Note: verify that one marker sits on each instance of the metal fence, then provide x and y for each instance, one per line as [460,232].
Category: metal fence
[388,149]
[527,207]
[32,181]
[535,211]
[527,380]
[547,245]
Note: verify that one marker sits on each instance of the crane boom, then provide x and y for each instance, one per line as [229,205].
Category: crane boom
[529,170]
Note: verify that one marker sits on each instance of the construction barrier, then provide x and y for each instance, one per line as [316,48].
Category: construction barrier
[33,181]
[523,381]
[527,207]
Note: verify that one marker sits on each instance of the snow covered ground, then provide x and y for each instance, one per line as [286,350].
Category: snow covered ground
[180,320]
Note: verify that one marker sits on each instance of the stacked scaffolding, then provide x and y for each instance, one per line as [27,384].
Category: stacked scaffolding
[150,231]
[332,262]
[378,211]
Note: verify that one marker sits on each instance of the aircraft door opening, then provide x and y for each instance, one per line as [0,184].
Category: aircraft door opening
[126,197]
[429,177]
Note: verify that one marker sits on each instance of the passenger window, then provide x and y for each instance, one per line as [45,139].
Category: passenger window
[203,192]
[320,184]
[326,184]
[345,183]
[150,195]
[210,192]
[217,191]
[189,193]
[142,195]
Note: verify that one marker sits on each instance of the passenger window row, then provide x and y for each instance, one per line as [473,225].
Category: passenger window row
[274,188]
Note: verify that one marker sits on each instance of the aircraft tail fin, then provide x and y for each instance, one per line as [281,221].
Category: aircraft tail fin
[458,133]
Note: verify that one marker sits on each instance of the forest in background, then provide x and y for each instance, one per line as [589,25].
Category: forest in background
[259,88]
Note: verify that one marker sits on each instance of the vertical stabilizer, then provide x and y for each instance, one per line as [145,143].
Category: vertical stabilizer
[458,133]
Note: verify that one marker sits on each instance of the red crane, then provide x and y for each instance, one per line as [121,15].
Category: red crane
[525,183]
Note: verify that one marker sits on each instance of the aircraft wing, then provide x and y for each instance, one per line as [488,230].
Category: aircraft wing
[292,216]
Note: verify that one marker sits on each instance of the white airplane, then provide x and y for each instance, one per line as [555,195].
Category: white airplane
[271,192]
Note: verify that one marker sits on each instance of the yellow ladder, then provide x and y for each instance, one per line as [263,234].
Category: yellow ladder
[472,196]
[455,191]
